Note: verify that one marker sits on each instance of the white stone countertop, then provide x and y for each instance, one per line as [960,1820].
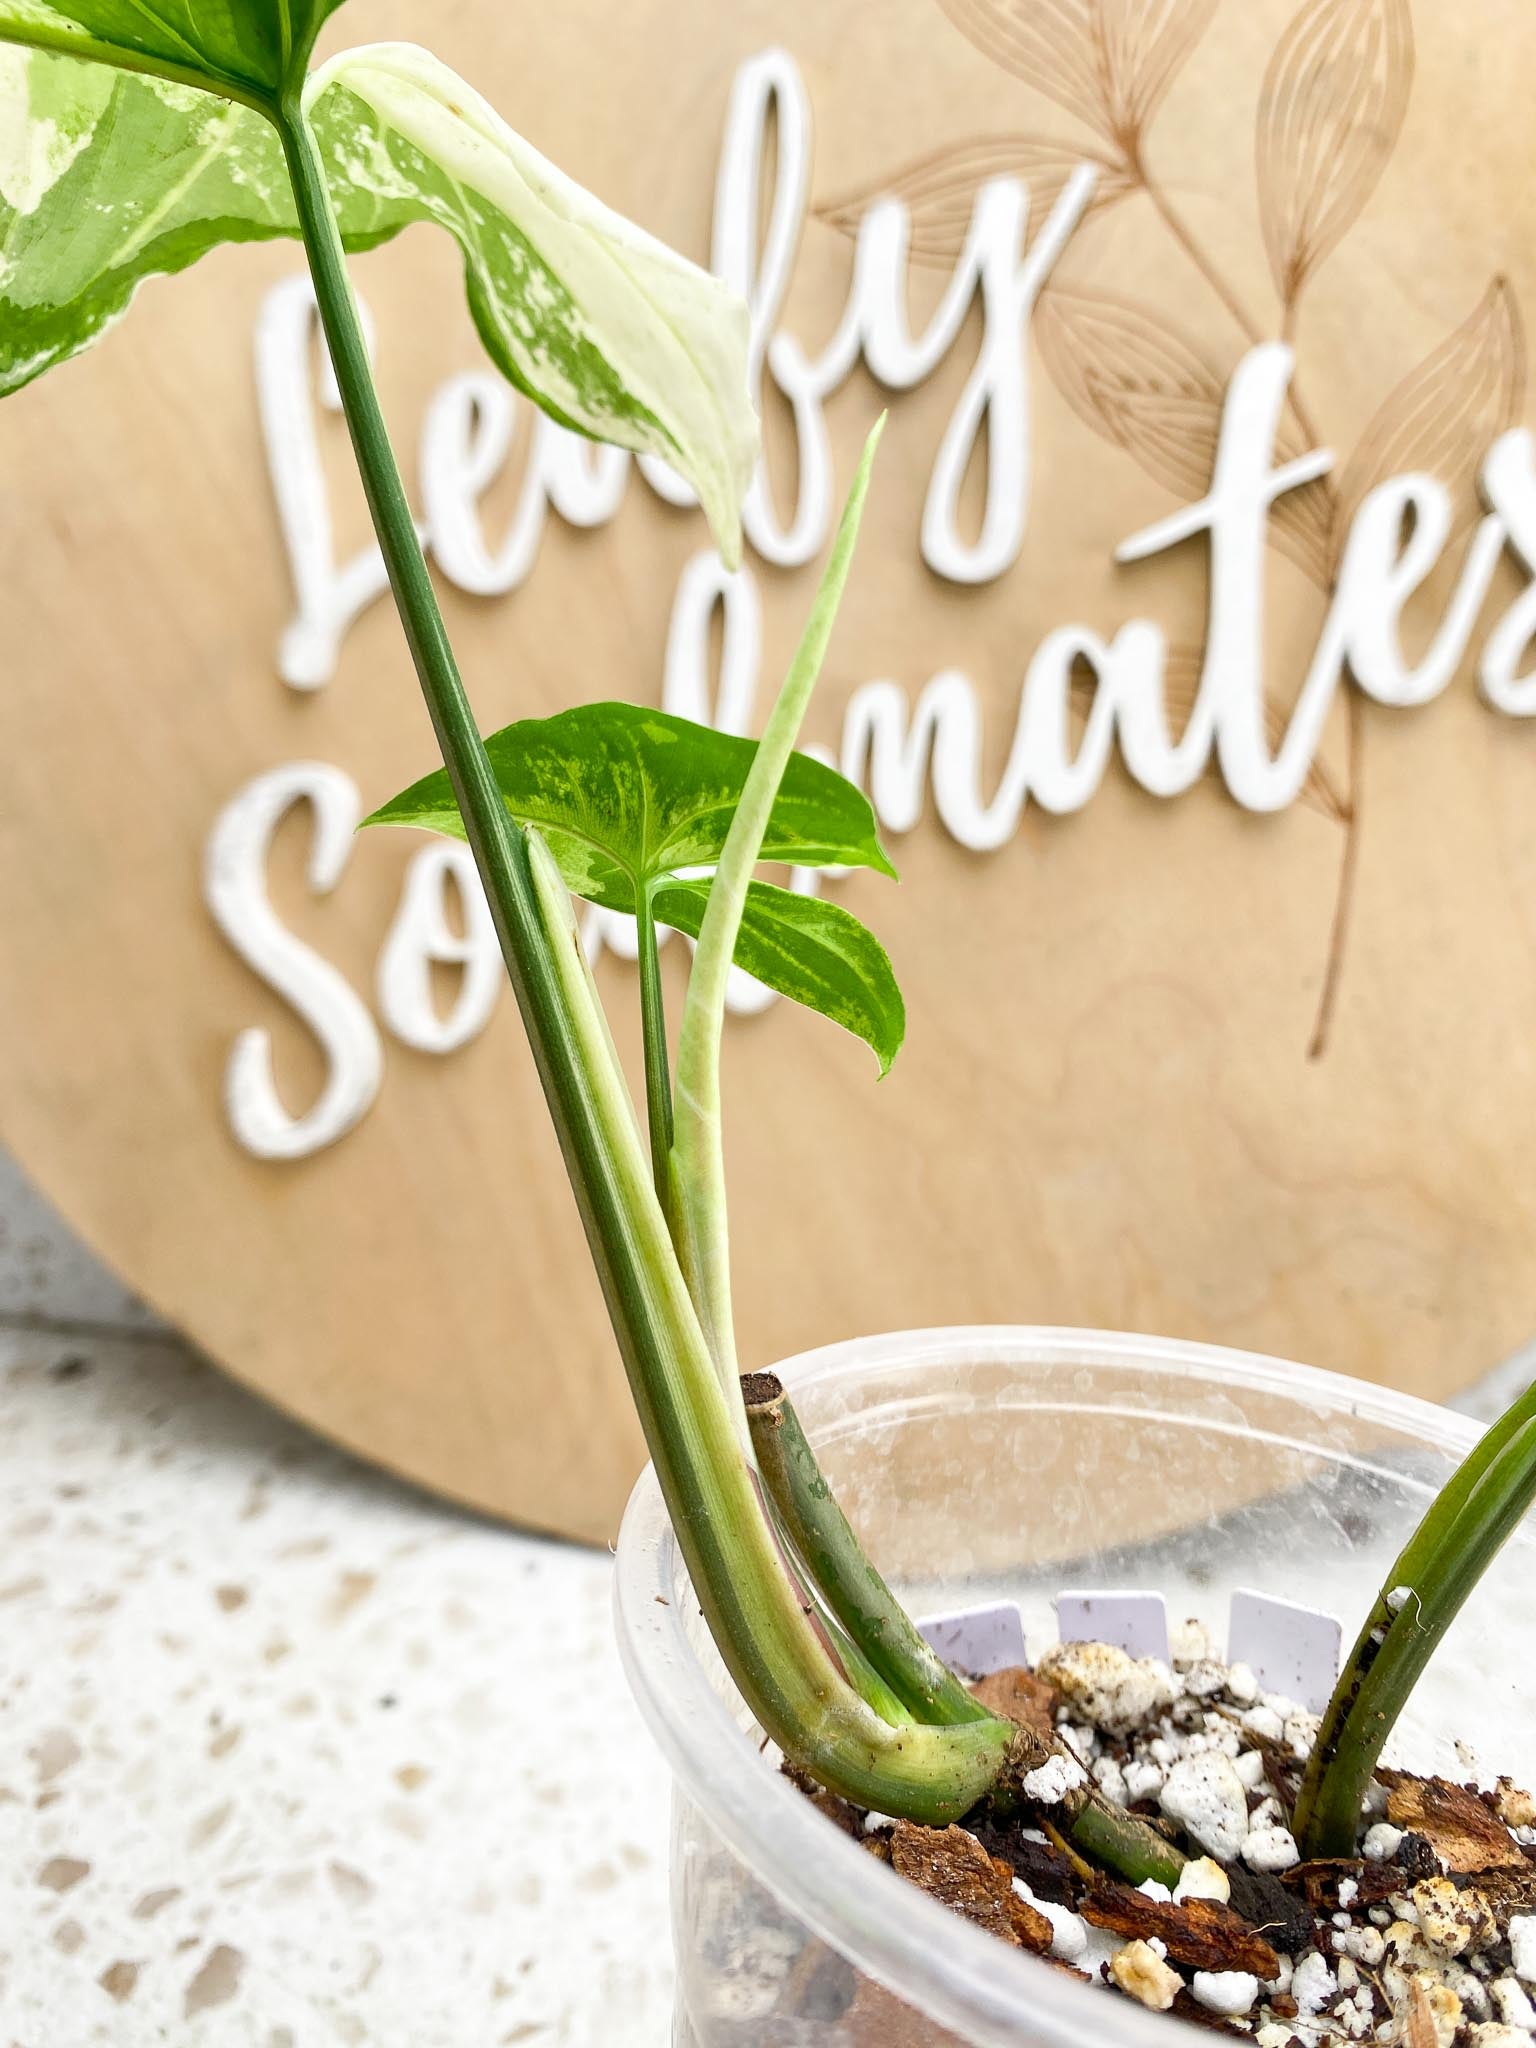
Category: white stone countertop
[290,1755]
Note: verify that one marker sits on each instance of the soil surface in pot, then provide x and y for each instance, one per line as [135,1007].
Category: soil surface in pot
[1426,1937]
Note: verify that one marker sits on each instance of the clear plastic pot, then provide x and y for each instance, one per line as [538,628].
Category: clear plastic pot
[985,1463]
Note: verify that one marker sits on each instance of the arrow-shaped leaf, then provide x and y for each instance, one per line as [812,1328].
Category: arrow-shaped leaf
[815,953]
[108,178]
[627,797]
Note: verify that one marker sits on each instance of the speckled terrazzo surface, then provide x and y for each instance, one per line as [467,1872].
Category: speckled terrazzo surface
[290,1756]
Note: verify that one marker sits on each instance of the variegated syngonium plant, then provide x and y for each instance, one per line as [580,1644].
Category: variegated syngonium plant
[137,134]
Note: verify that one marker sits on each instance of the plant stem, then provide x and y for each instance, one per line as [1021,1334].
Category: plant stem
[750,1602]
[883,1636]
[658,1069]
[1469,1522]
[857,1594]
[500,849]
[769,1646]
[1125,1844]
[698,1156]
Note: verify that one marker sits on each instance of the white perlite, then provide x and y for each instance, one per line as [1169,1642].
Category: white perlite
[1069,1933]
[1110,1690]
[1205,1795]
[1271,1849]
[1229,1992]
[1202,1879]
[1312,1985]
[1430,1947]
[1522,1941]
[1056,1777]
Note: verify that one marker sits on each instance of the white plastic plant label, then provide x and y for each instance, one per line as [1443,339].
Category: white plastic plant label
[1134,1622]
[978,1640]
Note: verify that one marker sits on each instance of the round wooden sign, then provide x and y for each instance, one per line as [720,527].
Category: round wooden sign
[1186,661]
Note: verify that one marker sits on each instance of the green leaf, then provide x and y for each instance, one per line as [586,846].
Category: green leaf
[108,178]
[815,953]
[250,48]
[625,797]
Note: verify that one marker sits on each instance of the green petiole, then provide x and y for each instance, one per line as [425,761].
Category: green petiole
[835,1560]
[1471,1519]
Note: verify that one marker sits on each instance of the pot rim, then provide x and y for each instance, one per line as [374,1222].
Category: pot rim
[957,1975]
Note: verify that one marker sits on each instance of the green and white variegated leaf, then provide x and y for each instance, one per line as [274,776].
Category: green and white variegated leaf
[247,47]
[109,177]
[612,332]
[816,953]
[626,797]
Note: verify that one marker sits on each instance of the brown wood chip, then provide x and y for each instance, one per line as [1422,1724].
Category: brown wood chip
[953,1867]
[1509,1890]
[1454,1821]
[1420,2030]
[1201,1933]
[1019,1695]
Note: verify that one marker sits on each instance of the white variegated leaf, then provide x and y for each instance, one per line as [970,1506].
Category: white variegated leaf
[109,177]
[610,330]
